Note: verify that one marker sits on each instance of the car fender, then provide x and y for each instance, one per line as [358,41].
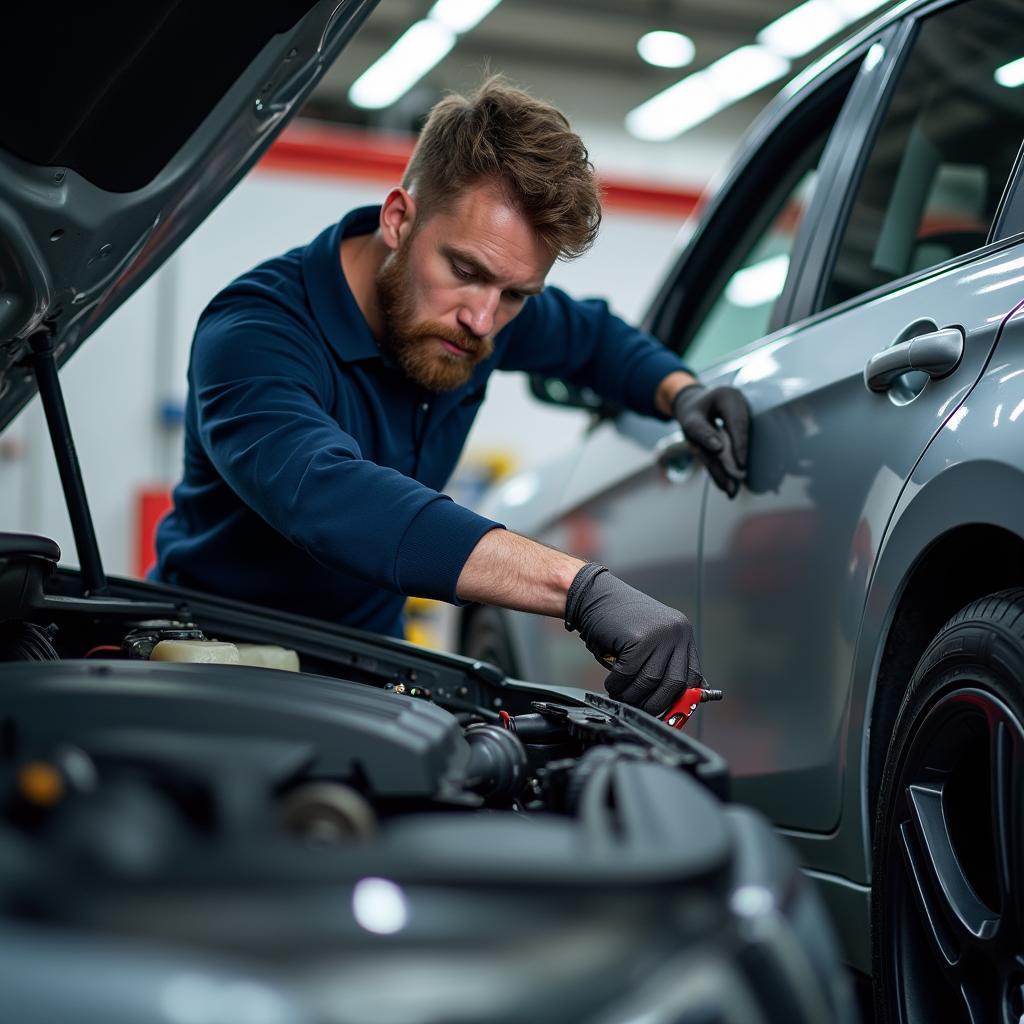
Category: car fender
[950,489]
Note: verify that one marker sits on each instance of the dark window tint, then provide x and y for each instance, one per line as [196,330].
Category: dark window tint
[945,149]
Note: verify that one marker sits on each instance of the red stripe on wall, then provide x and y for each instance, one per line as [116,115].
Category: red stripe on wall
[335,152]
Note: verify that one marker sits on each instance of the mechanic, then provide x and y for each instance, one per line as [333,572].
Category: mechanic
[331,390]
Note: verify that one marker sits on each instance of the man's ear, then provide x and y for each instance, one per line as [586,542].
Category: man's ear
[397,216]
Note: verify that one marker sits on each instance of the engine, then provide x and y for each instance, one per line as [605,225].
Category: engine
[392,836]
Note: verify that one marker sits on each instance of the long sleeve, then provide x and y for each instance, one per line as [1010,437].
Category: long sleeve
[584,343]
[263,402]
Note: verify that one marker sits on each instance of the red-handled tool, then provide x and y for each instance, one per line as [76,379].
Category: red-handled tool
[679,713]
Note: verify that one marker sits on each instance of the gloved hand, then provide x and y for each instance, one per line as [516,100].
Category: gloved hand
[722,449]
[648,646]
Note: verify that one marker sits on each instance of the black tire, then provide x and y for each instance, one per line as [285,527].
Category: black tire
[486,639]
[948,892]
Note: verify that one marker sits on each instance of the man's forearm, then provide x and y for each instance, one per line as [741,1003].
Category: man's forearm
[515,572]
[669,387]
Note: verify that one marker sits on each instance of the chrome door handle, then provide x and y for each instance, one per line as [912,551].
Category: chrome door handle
[938,354]
[675,457]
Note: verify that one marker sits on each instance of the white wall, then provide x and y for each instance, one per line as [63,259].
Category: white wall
[116,383]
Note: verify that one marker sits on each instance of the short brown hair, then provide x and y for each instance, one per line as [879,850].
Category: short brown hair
[526,147]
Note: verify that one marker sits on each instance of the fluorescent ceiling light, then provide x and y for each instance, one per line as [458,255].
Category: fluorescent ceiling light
[802,29]
[421,47]
[704,93]
[854,9]
[759,283]
[666,49]
[1011,75]
[807,26]
[749,68]
[744,71]
[675,110]
[461,15]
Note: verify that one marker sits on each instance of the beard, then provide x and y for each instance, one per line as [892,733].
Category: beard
[413,343]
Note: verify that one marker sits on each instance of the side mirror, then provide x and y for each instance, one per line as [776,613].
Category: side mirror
[557,392]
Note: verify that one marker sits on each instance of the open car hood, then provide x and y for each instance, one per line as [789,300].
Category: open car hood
[123,128]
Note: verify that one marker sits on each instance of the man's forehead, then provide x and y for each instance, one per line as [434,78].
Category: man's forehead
[483,224]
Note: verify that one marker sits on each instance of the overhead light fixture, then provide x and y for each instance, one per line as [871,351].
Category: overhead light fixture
[745,70]
[461,15]
[704,93]
[803,28]
[420,47]
[666,49]
[673,111]
[1011,75]
[807,26]
[854,9]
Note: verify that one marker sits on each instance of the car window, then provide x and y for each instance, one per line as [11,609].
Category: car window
[741,310]
[944,151]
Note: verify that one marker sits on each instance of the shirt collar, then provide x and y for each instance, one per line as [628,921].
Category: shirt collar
[333,303]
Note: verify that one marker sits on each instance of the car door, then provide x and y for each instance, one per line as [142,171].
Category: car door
[635,494]
[905,253]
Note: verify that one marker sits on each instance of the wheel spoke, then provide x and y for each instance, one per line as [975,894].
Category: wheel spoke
[937,929]
[945,877]
[976,1012]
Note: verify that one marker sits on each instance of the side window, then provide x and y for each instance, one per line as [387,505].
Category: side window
[944,151]
[730,285]
[742,308]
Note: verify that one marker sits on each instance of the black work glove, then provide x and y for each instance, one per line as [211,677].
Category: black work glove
[723,449]
[648,646]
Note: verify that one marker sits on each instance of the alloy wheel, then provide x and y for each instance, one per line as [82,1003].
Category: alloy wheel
[954,859]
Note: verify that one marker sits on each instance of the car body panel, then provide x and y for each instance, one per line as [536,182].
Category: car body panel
[948,489]
[625,515]
[786,565]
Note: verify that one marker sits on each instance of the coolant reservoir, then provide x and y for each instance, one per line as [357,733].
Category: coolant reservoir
[210,652]
[268,656]
[218,652]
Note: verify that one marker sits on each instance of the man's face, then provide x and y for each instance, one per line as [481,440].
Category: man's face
[460,277]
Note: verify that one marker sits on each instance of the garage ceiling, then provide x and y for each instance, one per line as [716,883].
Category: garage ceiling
[581,55]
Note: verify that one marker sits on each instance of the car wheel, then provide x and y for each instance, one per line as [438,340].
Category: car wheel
[948,893]
[486,639]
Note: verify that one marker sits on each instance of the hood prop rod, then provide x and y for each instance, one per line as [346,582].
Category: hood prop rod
[44,364]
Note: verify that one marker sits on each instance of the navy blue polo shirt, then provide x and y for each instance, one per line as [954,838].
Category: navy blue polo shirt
[313,467]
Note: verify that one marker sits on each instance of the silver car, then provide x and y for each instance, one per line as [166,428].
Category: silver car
[860,275]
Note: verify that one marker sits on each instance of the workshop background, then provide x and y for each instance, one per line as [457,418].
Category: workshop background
[604,62]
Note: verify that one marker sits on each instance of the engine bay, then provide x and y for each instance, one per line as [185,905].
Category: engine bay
[162,790]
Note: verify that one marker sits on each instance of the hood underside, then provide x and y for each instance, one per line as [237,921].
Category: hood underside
[123,128]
